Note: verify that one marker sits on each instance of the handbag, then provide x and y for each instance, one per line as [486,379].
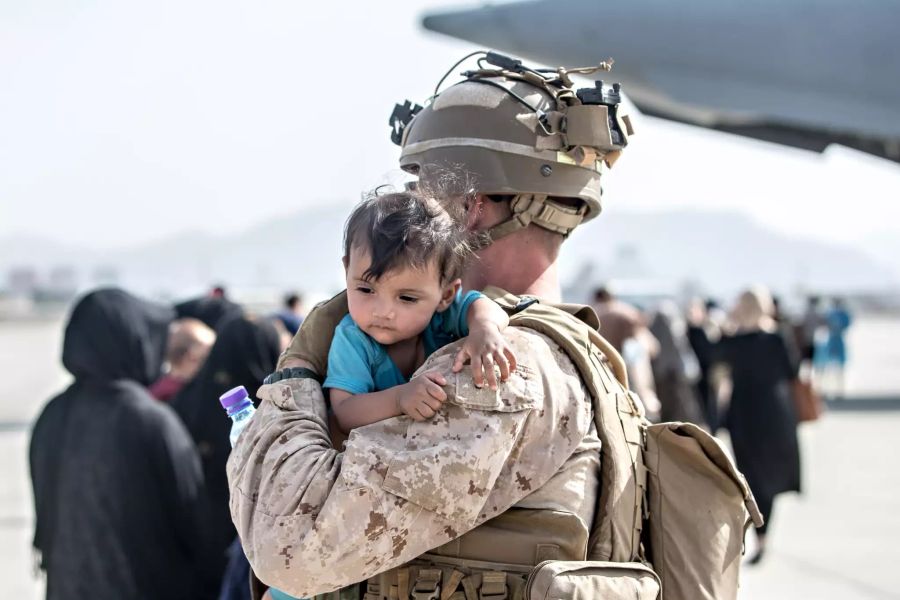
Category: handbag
[807,402]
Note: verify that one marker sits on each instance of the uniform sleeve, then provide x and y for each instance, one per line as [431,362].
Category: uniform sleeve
[350,360]
[313,520]
[454,320]
[313,340]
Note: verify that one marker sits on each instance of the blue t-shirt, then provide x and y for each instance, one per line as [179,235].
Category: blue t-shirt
[360,365]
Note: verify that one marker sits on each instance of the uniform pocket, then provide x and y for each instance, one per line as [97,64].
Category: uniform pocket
[519,392]
[451,462]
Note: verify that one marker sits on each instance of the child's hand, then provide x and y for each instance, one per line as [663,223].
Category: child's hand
[423,396]
[485,347]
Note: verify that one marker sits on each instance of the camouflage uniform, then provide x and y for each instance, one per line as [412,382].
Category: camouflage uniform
[313,519]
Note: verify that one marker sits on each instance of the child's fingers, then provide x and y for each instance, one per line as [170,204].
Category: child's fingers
[489,371]
[436,377]
[460,360]
[433,403]
[477,371]
[425,410]
[511,357]
[503,364]
[435,391]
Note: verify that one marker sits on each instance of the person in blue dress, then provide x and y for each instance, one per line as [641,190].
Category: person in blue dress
[831,355]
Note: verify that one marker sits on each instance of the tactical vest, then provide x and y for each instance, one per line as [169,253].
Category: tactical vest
[671,512]
[494,560]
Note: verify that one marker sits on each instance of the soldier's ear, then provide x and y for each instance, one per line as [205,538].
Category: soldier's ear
[448,294]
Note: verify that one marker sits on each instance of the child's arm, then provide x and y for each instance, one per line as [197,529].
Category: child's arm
[486,346]
[420,399]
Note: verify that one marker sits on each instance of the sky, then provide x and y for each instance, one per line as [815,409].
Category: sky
[125,122]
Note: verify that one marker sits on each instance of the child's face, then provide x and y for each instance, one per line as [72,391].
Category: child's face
[400,304]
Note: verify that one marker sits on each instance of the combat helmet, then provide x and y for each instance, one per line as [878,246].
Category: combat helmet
[523,134]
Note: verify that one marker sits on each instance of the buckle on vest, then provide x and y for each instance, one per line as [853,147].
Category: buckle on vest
[373,590]
[493,586]
[428,585]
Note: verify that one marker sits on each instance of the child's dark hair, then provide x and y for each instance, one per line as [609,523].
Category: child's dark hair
[407,229]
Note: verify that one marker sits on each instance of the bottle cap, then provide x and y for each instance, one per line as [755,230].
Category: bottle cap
[234,397]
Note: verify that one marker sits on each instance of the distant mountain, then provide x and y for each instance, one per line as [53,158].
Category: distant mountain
[719,251]
[299,251]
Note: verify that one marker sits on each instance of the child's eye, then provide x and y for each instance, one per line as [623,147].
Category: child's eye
[409,299]
[363,289]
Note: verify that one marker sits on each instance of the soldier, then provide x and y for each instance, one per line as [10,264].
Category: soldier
[499,480]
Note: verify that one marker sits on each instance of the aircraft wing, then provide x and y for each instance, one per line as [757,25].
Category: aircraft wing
[805,73]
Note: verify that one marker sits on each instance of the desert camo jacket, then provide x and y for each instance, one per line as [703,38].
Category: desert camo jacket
[313,519]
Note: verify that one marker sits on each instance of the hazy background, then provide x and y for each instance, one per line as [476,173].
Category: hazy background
[168,145]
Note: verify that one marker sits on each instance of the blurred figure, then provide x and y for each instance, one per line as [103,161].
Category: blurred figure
[831,355]
[813,321]
[675,367]
[291,314]
[214,309]
[189,343]
[786,330]
[702,334]
[761,417]
[624,327]
[618,321]
[118,488]
[244,353]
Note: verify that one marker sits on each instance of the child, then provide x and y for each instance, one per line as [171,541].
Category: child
[403,258]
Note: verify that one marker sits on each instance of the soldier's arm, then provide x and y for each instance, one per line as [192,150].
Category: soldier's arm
[309,348]
[313,520]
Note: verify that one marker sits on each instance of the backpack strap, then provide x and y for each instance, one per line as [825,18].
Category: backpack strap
[618,415]
[513,305]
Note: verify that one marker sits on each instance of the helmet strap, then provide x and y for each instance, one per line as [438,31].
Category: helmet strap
[539,210]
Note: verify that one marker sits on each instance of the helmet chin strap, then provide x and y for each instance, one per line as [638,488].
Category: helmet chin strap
[539,210]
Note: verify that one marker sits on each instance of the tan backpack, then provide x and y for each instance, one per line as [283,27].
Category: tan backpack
[674,477]
[671,514]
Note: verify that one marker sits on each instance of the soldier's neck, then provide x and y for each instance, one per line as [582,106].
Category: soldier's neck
[523,274]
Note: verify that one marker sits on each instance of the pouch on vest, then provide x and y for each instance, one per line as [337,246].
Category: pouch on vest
[590,580]
[699,509]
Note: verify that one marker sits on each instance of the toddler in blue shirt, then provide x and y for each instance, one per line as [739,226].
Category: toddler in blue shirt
[403,257]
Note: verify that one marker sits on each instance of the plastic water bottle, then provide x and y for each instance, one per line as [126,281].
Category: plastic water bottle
[239,408]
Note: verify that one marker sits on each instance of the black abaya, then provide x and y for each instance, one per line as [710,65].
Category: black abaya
[761,417]
[244,353]
[117,481]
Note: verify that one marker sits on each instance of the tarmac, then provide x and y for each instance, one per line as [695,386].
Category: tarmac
[839,539]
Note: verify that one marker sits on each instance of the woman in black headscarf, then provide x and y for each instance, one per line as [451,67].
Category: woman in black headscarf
[213,311]
[117,482]
[244,353]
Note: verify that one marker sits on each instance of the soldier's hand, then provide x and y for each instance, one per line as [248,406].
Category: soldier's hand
[423,396]
[486,347]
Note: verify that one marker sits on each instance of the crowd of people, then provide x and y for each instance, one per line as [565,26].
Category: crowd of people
[160,503]
[128,463]
[739,370]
